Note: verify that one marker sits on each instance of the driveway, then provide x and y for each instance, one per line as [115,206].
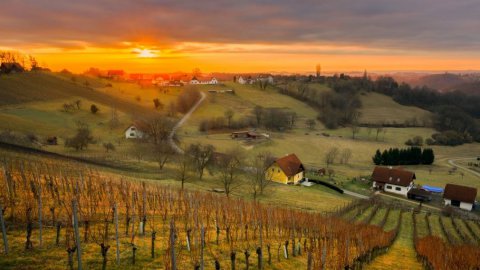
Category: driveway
[452,162]
[181,122]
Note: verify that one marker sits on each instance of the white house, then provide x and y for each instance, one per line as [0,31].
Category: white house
[460,196]
[246,80]
[134,132]
[393,180]
[209,81]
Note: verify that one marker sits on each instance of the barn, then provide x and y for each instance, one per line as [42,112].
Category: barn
[459,196]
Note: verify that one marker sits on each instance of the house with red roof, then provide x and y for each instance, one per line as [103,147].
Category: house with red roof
[459,196]
[286,170]
[393,180]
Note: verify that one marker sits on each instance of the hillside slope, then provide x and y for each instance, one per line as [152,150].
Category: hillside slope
[45,86]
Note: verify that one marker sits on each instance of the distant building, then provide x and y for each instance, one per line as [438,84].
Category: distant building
[115,74]
[7,68]
[393,180]
[460,196]
[245,80]
[200,80]
[136,131]
[286,170]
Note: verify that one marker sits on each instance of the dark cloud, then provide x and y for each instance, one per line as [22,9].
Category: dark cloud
[405,24]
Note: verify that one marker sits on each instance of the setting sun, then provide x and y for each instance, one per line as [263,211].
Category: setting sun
[145,53]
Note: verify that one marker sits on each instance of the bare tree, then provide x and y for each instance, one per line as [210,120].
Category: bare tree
[260,177]
[378,130]
[310,123]
[331,155]
[230,168]
[258,111]
[162,153]
[183,169]
[355,124]
[229,115]
[345,156]
[158,128]
[202,156]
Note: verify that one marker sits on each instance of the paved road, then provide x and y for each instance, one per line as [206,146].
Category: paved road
[181,122]
[354,194]
[452,162]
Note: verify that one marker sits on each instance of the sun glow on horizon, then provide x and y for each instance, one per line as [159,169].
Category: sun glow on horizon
[145,53]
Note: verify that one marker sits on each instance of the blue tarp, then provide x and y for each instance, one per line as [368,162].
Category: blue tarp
[433,189]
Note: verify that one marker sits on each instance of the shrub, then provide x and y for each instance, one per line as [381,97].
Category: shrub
[94,109]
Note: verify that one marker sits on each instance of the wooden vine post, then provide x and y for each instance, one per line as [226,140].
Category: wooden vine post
[172,246]
[4,230]
[77,234]
[115,217]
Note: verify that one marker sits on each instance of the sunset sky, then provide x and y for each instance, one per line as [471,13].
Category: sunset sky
[245,36]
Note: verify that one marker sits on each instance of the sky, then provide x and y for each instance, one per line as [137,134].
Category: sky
[245,36]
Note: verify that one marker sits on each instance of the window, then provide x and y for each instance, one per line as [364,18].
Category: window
[278,170]
[398,189]
[389,187]
[132,134]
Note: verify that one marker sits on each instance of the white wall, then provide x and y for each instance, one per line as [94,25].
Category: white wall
[393,189]
[133,133]
[463,205]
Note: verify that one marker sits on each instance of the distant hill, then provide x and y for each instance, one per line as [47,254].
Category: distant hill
[448,82]
[46,86]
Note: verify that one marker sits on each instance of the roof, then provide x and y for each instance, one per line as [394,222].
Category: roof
[419,192]
[114,72]
[394,176]
[140,125]
[290,164]
[460,193]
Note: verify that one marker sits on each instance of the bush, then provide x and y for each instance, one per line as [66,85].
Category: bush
[109,147]
[94,109]
[415,141]
[451,138]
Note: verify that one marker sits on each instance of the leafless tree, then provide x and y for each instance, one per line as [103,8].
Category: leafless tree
[331,155]
[229,115]
[183,168]
[230,168]
[310,123]
[202,156]
[355,124]
[158,128]
[345,156]
[260,177]
[378,130]
[162,153]
[258,111]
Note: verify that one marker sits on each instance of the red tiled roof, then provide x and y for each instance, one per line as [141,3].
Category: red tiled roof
[290,164]
[460,193]
[394,176]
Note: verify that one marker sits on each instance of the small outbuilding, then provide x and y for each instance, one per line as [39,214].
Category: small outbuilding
[136,130]
[459,196]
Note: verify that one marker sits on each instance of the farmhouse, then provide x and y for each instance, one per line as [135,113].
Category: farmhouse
[196,80]
[286,170]
[460,196]
[246,80]
[135,131]
[393,180]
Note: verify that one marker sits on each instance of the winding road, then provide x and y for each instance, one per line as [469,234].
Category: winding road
[181,122]
[452,162]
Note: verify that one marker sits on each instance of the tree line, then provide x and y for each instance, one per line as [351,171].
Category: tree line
[406,156]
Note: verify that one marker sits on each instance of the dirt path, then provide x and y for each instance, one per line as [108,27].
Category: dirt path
[182,121]
[401,254]
[452,162]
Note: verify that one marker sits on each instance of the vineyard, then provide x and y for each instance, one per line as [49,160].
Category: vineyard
[422,240]
[56,216]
